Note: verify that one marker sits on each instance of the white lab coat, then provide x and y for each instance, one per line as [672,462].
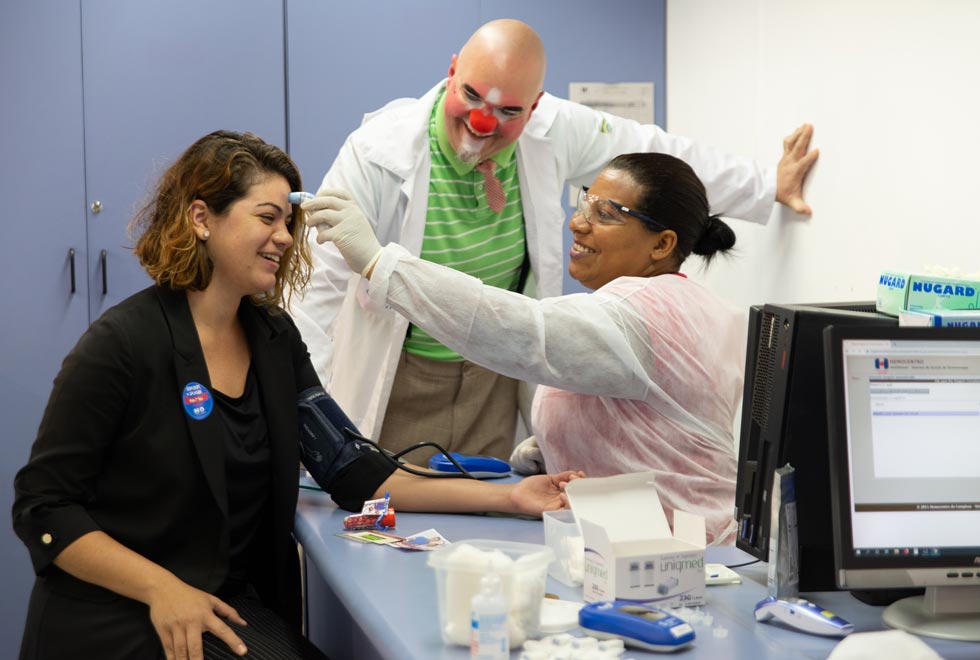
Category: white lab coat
[644,374]
[385,165]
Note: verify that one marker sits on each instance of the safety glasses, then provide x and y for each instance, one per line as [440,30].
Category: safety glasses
[598,211]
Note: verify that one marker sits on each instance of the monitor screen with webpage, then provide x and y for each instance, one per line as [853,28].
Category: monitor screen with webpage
[904,422]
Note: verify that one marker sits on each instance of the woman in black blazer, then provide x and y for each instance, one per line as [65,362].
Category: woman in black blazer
[158,501]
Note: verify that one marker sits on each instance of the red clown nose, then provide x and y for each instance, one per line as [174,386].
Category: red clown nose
[482,123]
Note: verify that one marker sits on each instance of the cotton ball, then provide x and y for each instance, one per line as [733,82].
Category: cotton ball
[607,645]
[585,643]
[465,566]
[573,557]
[516,630]
[561,639]
[535,655]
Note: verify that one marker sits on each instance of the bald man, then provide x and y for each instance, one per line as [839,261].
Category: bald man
[471,176]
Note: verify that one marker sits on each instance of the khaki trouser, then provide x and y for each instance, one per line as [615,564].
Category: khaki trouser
[460,405]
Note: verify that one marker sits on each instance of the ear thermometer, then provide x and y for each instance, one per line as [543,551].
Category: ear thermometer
[803,615]
[300,197]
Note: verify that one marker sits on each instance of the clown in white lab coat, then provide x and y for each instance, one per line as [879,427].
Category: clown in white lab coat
[385,166]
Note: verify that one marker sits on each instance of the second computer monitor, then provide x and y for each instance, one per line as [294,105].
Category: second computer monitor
[904,419]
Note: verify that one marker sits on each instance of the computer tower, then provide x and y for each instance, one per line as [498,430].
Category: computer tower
[784,420]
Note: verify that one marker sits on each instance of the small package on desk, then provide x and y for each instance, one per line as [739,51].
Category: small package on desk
[375,514]
[630,551]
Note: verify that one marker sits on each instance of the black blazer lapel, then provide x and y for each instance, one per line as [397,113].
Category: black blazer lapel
[272,360]
[205,431]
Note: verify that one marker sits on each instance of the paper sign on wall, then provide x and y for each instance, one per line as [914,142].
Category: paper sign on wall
[628,100]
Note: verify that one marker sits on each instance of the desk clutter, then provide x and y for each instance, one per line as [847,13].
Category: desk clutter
[491,593]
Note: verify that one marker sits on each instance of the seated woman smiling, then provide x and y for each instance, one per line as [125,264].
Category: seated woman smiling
[159,497]
[645,373]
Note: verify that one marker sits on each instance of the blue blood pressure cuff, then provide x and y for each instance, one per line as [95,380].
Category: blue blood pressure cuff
[343,465]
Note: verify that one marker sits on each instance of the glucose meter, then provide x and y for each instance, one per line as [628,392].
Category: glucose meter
[803,615]
[480,467]
[641,626]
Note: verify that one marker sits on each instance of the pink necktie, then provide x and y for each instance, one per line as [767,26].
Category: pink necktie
[491,184]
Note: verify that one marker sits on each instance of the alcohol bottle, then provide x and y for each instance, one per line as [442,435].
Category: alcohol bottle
[489,638]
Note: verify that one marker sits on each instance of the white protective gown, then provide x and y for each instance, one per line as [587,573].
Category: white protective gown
[643,374]
[385,166]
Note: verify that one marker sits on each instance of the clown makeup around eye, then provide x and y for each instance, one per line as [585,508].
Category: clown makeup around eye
[475,101]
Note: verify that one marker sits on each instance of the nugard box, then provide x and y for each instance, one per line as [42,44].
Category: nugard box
[630,552]
[962,318]
[899,291]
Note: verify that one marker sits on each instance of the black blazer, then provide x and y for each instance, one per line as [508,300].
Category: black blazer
[117,451]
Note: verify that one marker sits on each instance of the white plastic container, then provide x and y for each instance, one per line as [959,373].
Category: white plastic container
[523,570]
[563,535]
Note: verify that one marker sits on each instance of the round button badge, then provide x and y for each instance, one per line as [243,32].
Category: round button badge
[197,401]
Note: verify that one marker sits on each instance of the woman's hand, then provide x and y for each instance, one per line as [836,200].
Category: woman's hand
[181,614]
[543,492]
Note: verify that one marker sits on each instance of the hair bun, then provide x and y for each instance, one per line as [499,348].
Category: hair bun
[717,237]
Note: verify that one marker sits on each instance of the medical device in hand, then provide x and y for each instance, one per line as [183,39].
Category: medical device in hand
[641,626]
[300,197]
[803,615]
[481,467]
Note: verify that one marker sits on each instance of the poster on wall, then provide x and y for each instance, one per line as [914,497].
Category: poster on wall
[628,100]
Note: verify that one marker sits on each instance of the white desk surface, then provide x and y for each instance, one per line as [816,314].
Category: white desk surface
[370,601]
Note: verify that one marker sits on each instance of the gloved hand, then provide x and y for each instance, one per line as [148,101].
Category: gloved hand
[337,218]
[526,457]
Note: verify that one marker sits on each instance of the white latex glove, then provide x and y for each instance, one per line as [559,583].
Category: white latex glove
[526,457]
[338,219]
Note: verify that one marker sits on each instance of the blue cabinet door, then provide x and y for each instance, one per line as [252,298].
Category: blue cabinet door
[349,58]
[43,195]
[158,75]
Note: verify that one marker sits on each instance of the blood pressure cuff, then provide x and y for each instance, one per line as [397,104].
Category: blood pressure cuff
[347,468]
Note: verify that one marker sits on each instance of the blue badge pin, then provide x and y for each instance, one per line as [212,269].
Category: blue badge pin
[197,401]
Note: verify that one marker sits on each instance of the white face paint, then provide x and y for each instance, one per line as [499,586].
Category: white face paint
[493,96]
[470,150]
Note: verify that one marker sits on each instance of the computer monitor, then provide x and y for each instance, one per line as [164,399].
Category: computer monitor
[904,420]
[784,420]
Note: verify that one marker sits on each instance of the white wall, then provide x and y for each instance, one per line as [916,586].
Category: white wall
[893,89]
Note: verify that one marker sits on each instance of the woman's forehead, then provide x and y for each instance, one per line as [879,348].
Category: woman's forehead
[616,185]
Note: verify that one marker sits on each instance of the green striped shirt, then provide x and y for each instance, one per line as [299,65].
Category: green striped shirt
[461,231]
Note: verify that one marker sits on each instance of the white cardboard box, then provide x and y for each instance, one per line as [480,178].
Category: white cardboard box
[630,552]
[966,318]
[898,291]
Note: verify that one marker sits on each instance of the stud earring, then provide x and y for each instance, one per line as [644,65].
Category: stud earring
[207,234]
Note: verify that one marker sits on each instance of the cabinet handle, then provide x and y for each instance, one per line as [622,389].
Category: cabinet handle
[105,287]
[71,267]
